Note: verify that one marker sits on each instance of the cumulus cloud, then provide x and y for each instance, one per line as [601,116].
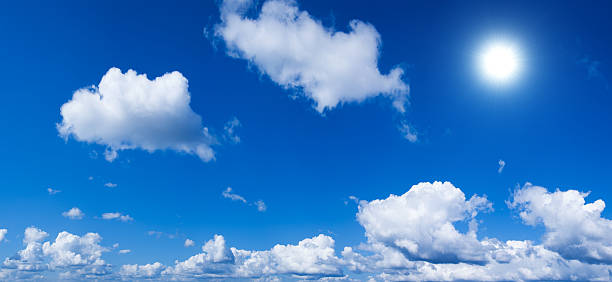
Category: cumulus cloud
[130,111]
[73,213]
[3,234]
[501,164]
[574,228]
[70,250]
[116,215]
[297,52]
[76,256]
[420,222]
[146,271]
[310,258]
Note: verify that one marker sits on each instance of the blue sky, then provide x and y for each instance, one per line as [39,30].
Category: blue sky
[551,127]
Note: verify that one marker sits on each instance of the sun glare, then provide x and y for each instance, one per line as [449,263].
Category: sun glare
[500,62]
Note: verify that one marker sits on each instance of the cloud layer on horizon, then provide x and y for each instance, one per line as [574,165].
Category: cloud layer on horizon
[409,237]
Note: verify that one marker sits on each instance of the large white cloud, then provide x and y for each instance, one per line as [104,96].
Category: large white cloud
[77,256]
[129,111]
[574,228]
[296,51]
[420,223]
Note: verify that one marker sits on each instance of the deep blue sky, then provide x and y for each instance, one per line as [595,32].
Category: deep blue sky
[551,126]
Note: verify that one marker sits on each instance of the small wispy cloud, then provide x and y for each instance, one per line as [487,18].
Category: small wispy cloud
[501,164]
[230,130]
[116,215]
[110,185]
[125,251]
[261,206]
[408,132]
[159,234]
[73,213]
[227,193]
[52,191]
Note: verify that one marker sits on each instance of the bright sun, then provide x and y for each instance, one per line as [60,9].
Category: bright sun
[500,62]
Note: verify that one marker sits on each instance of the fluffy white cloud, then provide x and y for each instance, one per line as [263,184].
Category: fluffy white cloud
[125,251]
[110,185]
[77,256]
[574,228]
[71,250]
[135,271]
[129,111]
[116,215]
[296,51]
[74,213]
[310,258]
[420,222]
[189,243]
[525,262]
[216,259]
[3,234]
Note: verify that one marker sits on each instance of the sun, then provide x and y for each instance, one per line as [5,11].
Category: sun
[500,62]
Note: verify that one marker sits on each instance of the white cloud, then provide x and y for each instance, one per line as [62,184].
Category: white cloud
[129,111]
[3,234]
[574,228]
[189,243]
[116,215]
[420,222]
[230,130]
[52,191]
[501,164]
[227,193]
[310,258]
[125,251]
[408,132]
[134,271]
[70,250]
[216,258]
[261,206]
[110,185]
[74,213]
[76,256]
[411,237]
[296,51]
